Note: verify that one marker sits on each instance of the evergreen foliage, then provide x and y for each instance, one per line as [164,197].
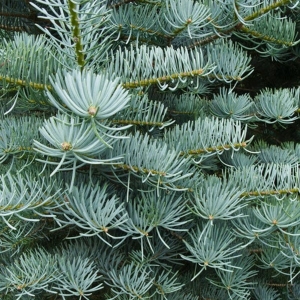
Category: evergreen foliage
[143,152]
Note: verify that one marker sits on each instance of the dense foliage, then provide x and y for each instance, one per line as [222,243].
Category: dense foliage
[149,149]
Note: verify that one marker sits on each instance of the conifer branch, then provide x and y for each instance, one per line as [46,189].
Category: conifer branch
[163,79]
[266,9]
[271,193]
[76,33]
[213,149]
[20,82]
[264,37]
[139,170]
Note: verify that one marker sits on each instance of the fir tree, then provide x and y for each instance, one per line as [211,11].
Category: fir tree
[149,149]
